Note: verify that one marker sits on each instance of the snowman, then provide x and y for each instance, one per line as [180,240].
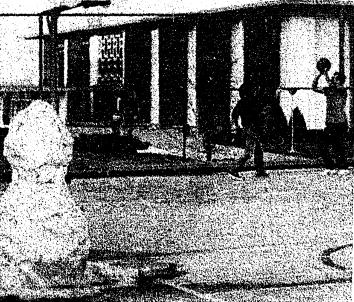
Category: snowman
[44,238]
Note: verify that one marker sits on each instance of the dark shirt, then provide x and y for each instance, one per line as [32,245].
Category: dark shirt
[336,103]
[250,113]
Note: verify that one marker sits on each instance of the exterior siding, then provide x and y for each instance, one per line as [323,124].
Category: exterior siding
[79,77]
[137,75]
[173,74]
[213,75]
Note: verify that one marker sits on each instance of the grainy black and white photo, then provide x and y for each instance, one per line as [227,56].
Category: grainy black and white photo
[176,151]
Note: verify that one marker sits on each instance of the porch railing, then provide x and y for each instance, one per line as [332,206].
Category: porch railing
[85,105]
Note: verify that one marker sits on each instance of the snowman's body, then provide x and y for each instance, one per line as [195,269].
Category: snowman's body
[41,227]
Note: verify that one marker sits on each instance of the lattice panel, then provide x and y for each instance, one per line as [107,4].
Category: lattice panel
[111,62]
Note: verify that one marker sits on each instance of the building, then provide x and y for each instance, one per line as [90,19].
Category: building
[168,70]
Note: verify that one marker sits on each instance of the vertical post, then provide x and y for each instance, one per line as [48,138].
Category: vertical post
[40,55]
[184,143]
[292,142]
[237,60]
[55,62]
[191,84]
[341,42]
[191,104]
[52,20]
[351,80]
[292,147]
[63,105]
[154,89]
[94,45]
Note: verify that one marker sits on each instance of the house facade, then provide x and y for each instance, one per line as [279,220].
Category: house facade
[170,71]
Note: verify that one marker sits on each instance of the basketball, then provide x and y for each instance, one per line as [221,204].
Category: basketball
[323,64]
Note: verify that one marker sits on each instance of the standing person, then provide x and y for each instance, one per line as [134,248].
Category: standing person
[336,128]
[249,109]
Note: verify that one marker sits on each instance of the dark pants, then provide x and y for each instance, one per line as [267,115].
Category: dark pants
[333,149]
[252,145]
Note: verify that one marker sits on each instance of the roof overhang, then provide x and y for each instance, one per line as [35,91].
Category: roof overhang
[122,13]
[150,6]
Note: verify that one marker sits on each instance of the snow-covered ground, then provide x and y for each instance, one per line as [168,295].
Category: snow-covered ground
[269,238]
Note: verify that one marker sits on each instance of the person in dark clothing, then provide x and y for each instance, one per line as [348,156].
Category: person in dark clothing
[336,128]
[249,109]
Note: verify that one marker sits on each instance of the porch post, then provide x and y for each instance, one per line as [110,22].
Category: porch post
[94,49]
[341,43]
[191,84]
[63,104]
[237,62]
[40,61]
[52,21]
[154,89]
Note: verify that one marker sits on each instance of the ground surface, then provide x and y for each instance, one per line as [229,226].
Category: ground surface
[287,237]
